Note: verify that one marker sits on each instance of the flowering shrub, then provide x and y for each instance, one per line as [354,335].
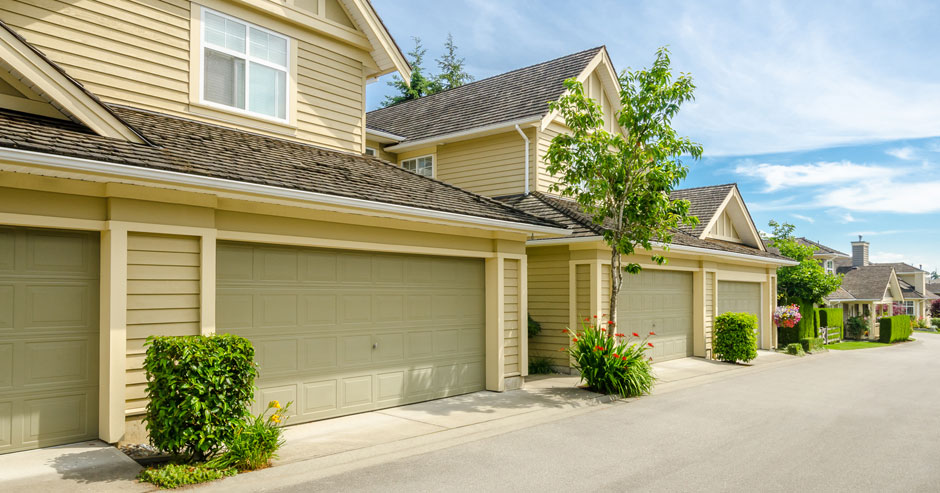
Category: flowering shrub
[935,308]
[256,442]
[611,365]
[787,316]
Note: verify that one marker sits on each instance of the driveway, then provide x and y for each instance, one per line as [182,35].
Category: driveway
[864,420]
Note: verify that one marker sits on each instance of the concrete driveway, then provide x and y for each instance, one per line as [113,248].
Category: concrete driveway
[865,420]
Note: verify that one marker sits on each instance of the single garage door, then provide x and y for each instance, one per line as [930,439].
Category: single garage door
[340,332]
[740,297]
[48,337]
[659,301]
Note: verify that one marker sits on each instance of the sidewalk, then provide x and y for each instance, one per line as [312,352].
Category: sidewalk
[91,466]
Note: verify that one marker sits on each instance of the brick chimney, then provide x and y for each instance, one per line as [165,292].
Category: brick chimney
[859,252]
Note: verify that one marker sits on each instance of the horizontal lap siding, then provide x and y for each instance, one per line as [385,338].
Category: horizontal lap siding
[548,301]
[163,275]
[512,318]
[138,54]
[491,166]
[545,137]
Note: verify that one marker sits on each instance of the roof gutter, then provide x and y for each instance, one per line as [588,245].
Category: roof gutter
[123,170]
[672,247]
[384,135]
[439,139]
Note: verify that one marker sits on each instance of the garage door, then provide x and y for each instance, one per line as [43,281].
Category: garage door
[661,302]
[740,297]
[340,332]
[48,337]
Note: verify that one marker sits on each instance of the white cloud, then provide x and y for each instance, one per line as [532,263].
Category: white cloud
[906,153]
[887,257]
[805,218]
[779,176]
[883,196]
[847,218]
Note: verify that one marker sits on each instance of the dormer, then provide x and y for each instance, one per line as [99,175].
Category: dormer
[732,223]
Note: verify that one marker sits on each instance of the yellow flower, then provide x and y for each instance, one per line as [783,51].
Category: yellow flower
[275,418]
[275,404]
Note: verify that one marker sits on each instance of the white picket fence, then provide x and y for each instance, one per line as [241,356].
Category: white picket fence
[831,334]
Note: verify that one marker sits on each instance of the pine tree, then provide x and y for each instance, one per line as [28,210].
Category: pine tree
[452,68]
[421,85]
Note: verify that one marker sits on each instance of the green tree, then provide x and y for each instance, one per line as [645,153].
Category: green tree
[623,179]
[452,73]
[421,84]
[806,282]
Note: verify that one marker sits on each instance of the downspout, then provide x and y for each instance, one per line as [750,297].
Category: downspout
[526,139]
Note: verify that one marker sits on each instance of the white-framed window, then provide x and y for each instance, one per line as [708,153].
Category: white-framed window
[244,66]
[830,267]
[423,165]
[370,151]
[909,307]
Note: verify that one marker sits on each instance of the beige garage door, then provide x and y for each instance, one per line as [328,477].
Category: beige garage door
[661,302]
[740,297]
[341,332]
[48,337]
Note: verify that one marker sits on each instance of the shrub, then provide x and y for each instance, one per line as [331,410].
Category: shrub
[735,338]
[611,365]
[540,365]
[176,475]
[200,389]
[256,442]
[795,349]
[855,327]
[802,329]
[828,319]
[812,344]
[895,329]
[922,323]
[534,327]
[935,322]
[935,308]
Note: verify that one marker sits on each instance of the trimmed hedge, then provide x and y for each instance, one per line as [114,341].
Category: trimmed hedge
[829,317]
[813,344]
[735,338]
[795,349]
[895,329]
[935,322]
[804,329]
[200,388]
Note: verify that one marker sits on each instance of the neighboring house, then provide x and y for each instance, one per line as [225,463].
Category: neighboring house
[173,168]
[871,288]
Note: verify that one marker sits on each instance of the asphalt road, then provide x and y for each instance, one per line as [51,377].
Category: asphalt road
[864,420]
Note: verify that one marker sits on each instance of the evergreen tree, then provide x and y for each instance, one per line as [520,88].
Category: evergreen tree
[452,68]
[421,85]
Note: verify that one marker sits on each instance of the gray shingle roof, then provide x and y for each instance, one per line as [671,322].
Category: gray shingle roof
[705,202]
[868,282]
[521,93]
[910,292]
[568,212]
[822,248]
[188,146]
[840,294]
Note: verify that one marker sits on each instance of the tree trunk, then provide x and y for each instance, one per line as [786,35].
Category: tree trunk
[616,280]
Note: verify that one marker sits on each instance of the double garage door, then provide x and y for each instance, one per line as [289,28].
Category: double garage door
[339,332]
[48,337]
[659,301]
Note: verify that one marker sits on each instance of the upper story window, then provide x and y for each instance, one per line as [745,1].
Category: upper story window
[244,66]
[370,151]
[830,267]
[423,166]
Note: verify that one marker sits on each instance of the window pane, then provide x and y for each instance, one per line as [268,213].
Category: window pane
[225,33]
[224,79]
[409,165]
[268,47]
[267,91]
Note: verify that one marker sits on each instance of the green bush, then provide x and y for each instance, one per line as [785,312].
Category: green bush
[540,365]
[200,389]
[895,329]
[735,338]
[935,322]
[796,349]
[176,475]
[813,344]
[855,327]
[534,327]
[611,365]
[255,443]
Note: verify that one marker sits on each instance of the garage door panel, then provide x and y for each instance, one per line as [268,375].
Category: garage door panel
[320,353]
[357,391]
[390,386]
[661,302]
[56,362]
[740,297]
[320,397]
[389,348]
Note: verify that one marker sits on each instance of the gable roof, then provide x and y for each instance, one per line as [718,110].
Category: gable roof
[900,267]
[705,203]
[47,79]
[568,212]
[385,51]
[511,96]
[823,249]
[868,282]
[195,148]
[909,291]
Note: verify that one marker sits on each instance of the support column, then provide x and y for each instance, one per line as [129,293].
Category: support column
[524,316]
[698,313]
[113,335]
[495,324]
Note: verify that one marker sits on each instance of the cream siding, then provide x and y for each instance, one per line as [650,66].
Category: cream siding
[380,152]
[583,292]
[512,320]
[548,301]
[605,291]
[545,179]
[723,229]
[490,166]
[162,299]
[138,54]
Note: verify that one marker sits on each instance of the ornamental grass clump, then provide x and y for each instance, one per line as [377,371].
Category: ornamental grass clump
[615,364]
[255,442]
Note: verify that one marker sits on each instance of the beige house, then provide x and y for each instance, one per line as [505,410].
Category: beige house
[491,136]
[176,167]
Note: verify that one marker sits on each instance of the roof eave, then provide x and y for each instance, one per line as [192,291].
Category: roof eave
[462,135]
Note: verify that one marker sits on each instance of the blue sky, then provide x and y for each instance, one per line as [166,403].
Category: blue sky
[827,114]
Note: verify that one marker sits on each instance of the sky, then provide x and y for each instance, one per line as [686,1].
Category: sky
[826,114]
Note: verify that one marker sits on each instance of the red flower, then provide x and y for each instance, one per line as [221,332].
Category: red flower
[616,356]
[652,333]
[564,331]
[636,335]
[574,340]
[650,344]
[587,319]
[599,348]
[620,335]
[610,322]
[595,316]
[623,358]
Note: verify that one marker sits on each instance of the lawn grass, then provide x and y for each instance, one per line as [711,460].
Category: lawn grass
[850,345]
